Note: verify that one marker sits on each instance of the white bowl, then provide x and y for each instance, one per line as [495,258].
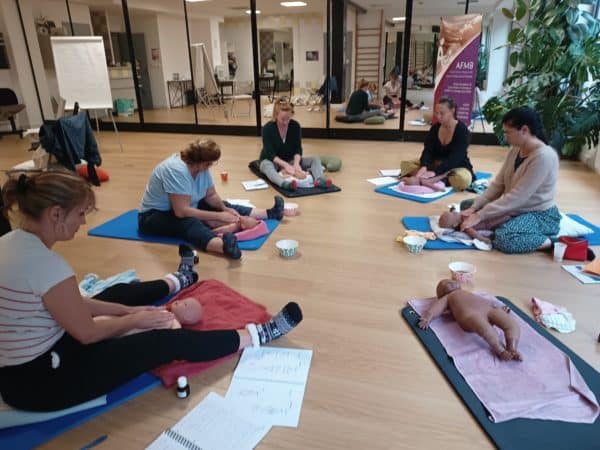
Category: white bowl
[290,209]
[414,244]
[462,271]
[287,248]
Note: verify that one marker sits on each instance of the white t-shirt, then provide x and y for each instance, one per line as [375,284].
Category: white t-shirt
[172,176]
[28,269]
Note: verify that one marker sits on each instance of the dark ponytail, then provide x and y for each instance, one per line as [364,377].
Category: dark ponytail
[524,115]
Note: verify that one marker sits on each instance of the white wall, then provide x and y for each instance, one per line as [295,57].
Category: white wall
[498,61]
[308,35]
[148,24]
[351,28]
[173,47]
[237,35]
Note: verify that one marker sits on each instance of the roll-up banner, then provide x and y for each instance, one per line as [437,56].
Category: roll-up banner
[456,70]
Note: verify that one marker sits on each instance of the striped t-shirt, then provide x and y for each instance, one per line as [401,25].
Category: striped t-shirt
[28,269]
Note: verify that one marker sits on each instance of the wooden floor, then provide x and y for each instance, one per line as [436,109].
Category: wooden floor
[371,384]
[244,114]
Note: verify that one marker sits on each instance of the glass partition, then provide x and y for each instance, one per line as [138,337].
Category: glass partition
[49,19]
[291,58]
[162,60]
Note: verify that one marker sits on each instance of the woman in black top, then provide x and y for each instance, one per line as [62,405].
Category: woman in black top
[282,150]
[446,144]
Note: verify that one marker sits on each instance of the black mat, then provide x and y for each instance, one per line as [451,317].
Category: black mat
[517,434]
[254,168]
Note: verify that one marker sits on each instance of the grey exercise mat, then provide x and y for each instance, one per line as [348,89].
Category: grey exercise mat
[254,167]
[517,434]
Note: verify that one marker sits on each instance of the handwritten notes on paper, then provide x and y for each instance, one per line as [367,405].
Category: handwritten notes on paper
[214,424]
[268,384]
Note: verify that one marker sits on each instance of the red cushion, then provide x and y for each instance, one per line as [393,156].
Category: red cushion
[82,171]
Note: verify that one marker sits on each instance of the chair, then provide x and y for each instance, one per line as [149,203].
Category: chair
[9,108]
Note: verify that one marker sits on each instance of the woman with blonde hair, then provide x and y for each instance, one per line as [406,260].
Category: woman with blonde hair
[180,199]
[282,150]
[54,355]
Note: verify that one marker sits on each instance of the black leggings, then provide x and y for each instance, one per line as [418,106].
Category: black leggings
[89,371]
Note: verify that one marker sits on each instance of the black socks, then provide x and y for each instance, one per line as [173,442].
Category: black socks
[282,323]
[230,246]
[188,258]
[276,212]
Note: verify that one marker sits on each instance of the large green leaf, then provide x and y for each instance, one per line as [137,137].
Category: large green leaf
[514,59]
[521,10]
[513,36]
[508,13]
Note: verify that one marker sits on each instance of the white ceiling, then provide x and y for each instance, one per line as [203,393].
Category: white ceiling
[423,10]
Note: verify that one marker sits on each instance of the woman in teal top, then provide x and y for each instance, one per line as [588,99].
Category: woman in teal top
[282,150]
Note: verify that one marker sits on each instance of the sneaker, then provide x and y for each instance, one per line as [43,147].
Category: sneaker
[289,185]
[230,246]
[276,212]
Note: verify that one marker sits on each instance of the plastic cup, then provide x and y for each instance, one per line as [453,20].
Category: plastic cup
[559,251]
[224,176]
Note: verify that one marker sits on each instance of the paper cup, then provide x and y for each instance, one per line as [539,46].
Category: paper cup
[559,251]
[287,248]
[290,209]
[462,271]
[414,244]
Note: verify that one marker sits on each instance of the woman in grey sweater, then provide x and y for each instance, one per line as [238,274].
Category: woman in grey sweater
[525,188]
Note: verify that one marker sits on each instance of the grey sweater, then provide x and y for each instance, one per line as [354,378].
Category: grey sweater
[532,187]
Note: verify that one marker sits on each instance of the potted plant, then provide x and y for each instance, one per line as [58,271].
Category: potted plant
[555,53]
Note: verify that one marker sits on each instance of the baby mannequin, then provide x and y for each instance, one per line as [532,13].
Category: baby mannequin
[303,180]
[453,219]
[425,178]
[474,314]
[187,311]
[244,223]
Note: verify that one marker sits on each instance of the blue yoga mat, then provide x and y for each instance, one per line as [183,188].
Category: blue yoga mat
[516,434]
[417,198]
[125,226]
[422,224]
[35,434]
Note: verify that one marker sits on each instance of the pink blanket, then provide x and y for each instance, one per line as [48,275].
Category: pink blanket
[418,189]
[255,232]
[222,308]
[546,385]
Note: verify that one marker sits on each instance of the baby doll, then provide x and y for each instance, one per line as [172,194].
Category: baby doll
[474,314]
[244,223]
[303,180]
[453,219]
[423,182]
[187,311]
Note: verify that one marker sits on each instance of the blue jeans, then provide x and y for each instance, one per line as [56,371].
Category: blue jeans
[190,229]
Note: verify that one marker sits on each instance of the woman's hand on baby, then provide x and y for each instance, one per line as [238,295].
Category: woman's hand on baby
[470,221]
[300,174]
[153,320]
[136,309]
[228,217]
[423,323]
[232,211]
[467,212]
[289,169]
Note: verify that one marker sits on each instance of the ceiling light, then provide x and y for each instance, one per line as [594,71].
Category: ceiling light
[250,12]
[398,19]
[292,4]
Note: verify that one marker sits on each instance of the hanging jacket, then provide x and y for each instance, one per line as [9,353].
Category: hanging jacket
[71,139]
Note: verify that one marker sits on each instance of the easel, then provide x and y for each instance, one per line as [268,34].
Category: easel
[478,106]
[108,111]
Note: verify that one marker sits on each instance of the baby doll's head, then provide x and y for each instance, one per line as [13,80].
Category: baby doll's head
[411,181]
[446,286]
[450,219]
[247,222]
[187,310]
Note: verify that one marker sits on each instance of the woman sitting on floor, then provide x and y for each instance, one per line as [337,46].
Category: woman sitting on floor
[358,107]
[282,150]
[525,188]
[180,199]
[54,354]
[445,146]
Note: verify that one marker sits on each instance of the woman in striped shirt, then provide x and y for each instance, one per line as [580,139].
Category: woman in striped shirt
[53,355]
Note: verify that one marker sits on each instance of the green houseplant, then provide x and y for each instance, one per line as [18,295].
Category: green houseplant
[555,50]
